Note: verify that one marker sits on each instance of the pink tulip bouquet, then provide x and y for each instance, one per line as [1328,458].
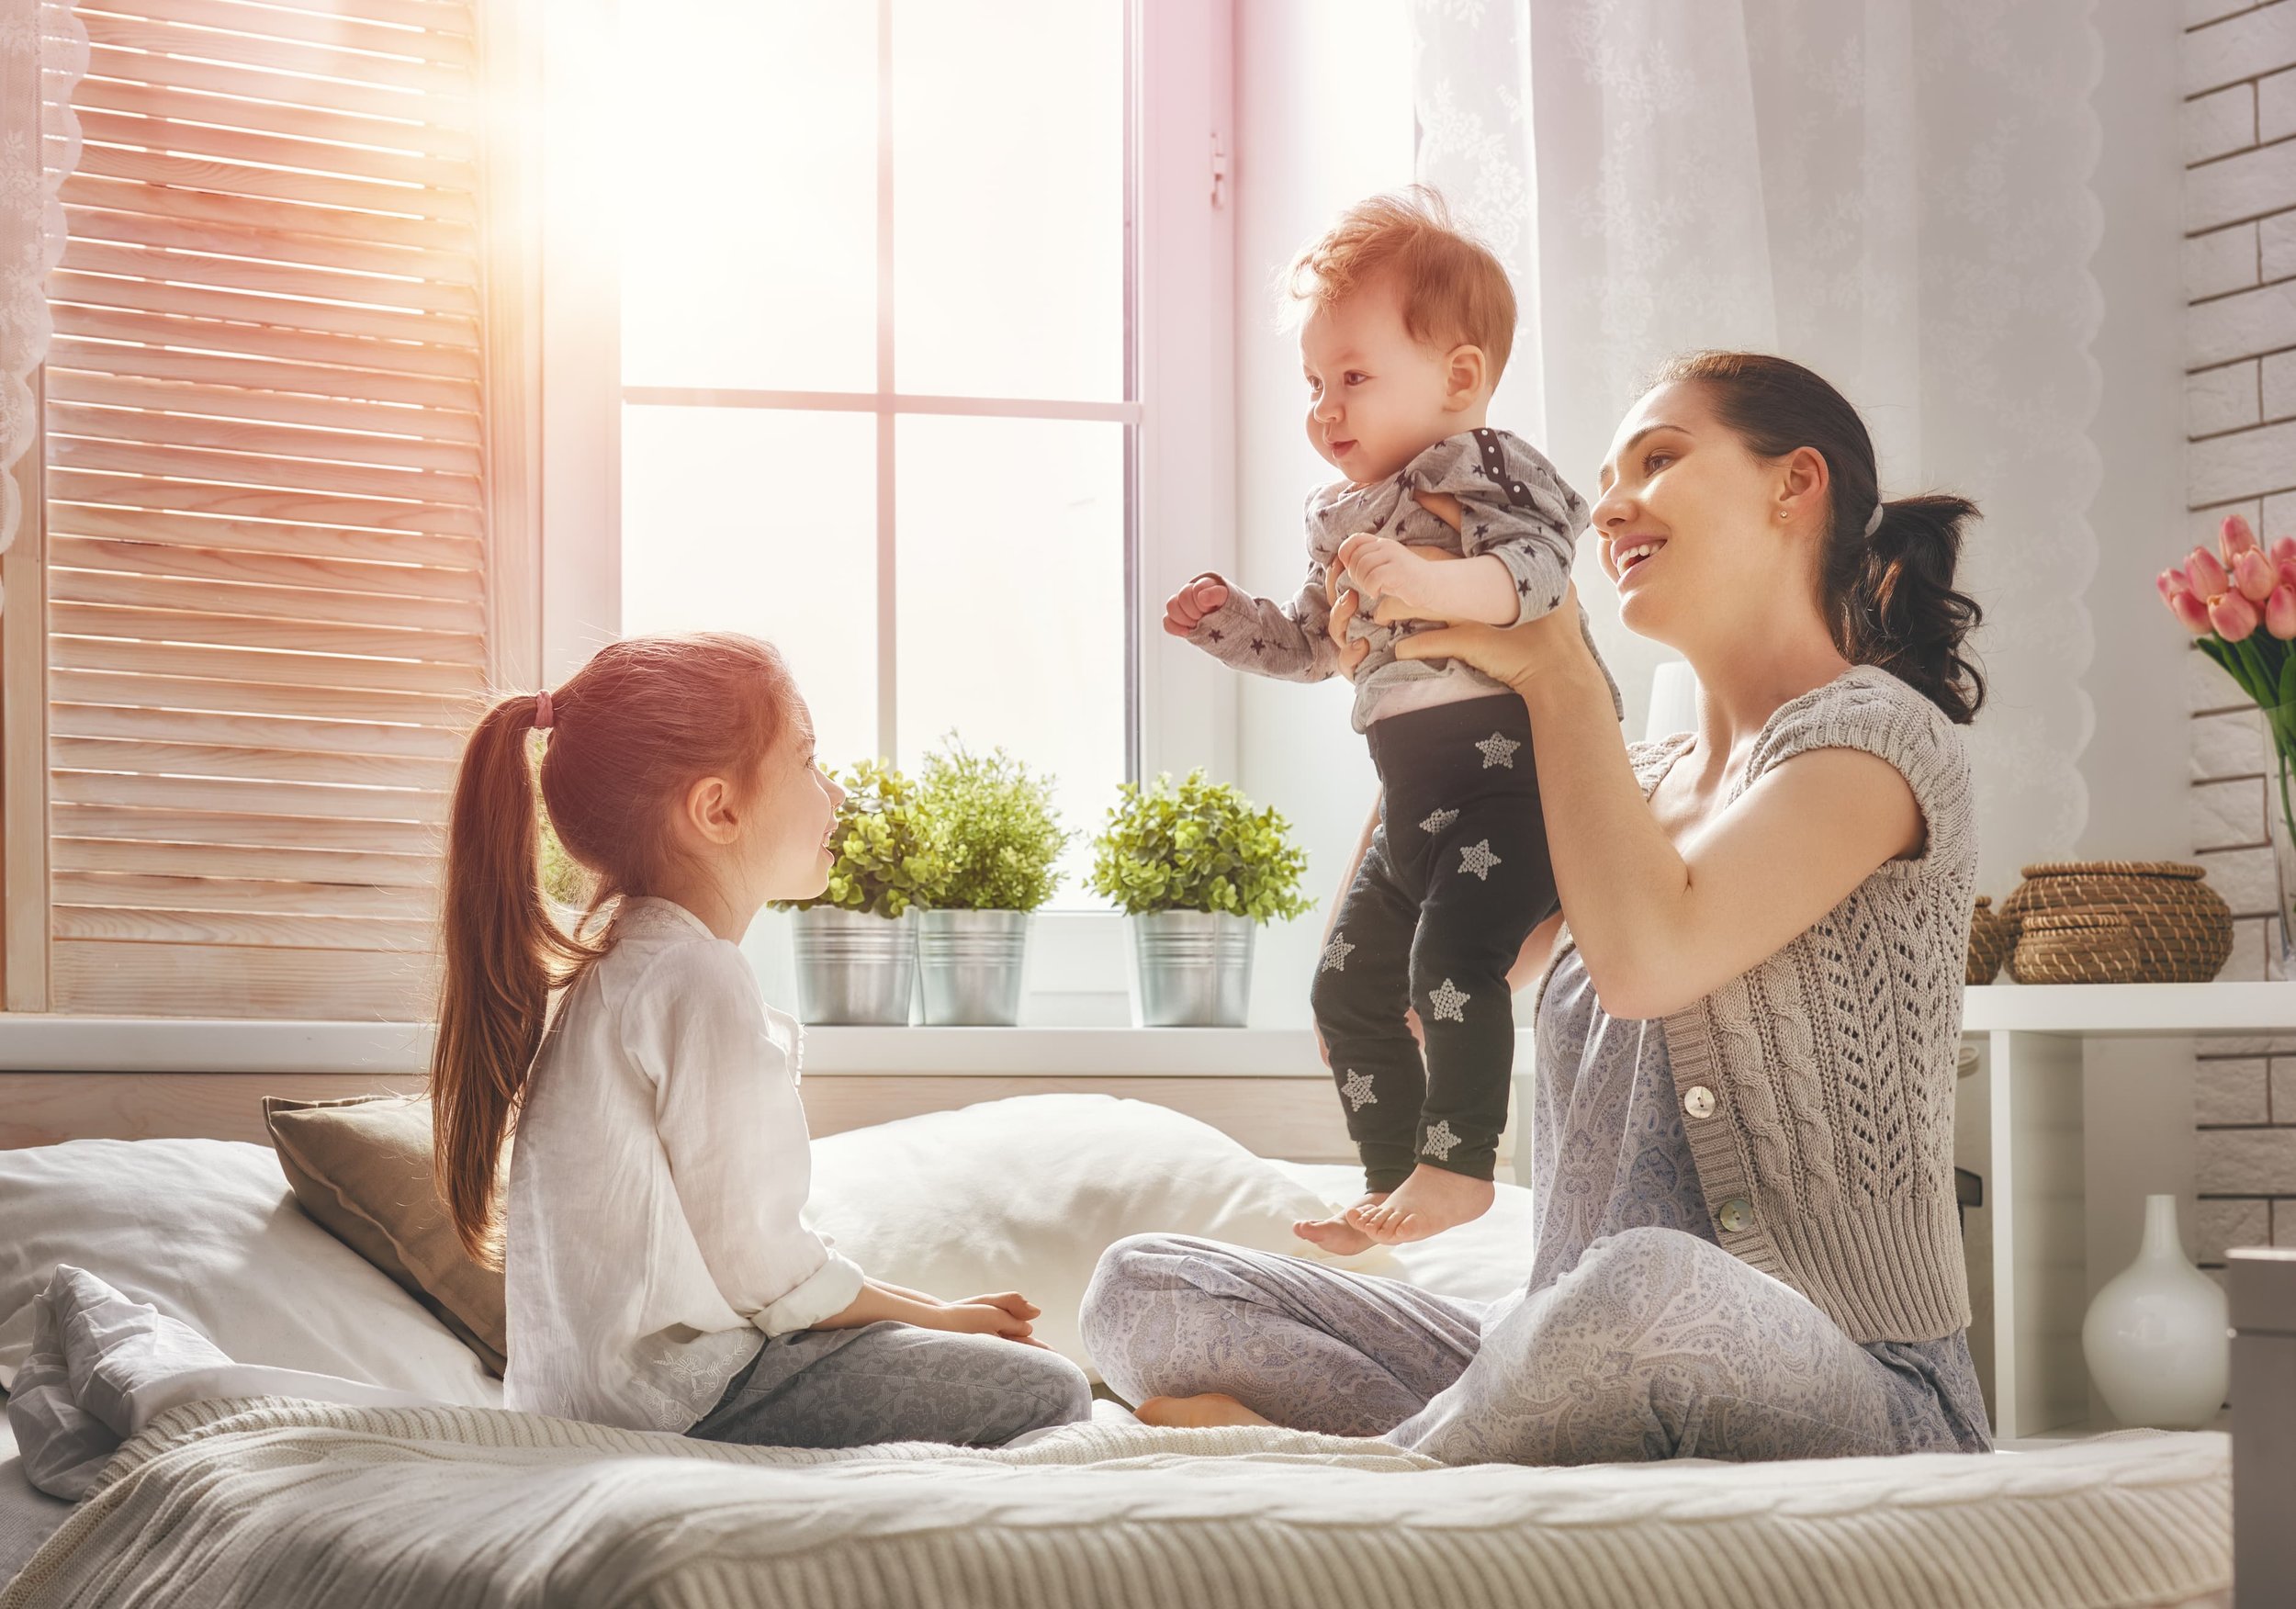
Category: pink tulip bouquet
[2239,603]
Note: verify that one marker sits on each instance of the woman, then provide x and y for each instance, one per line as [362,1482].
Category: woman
[1746,1245]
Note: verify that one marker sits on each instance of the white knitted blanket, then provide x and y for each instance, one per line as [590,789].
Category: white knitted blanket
[268,1500]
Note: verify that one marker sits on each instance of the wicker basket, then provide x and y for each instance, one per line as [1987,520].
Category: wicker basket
[2147,922]
[1991,937]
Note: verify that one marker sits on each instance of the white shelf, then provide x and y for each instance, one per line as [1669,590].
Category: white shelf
[2131,1010]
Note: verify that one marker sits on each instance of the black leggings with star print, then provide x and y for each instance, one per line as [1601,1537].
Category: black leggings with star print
[1456,878]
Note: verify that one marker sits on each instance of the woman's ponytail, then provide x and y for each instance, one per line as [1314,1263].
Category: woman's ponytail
[1896,605]
[503,953]
[1886,585]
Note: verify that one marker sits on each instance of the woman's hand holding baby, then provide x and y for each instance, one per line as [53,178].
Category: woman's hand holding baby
[1186,608]
[1521,656]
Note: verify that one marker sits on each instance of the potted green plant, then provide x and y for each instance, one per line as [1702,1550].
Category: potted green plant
[857,942]
[997,837]
[1196,868]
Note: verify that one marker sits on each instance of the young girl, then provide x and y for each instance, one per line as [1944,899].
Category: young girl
[658,1275]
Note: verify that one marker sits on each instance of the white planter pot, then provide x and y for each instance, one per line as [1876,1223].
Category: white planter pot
[971,964]
[1192,969]
[853,969]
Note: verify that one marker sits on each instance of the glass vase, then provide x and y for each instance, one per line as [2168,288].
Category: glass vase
[2279,813]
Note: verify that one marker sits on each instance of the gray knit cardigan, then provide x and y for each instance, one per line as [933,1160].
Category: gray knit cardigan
[1817,1088]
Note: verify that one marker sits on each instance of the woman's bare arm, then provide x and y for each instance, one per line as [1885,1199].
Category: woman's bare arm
[1661,927]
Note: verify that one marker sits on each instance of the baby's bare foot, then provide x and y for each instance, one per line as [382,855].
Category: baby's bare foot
[1432,1200]
[1196,1412]
[1338,1234]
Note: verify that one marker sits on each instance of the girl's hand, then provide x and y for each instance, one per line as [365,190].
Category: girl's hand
[1517,654]
[1006,1314]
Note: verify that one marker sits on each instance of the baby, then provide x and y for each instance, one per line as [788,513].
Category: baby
[1408,323]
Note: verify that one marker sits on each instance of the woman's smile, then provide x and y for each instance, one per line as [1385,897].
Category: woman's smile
[1632,555]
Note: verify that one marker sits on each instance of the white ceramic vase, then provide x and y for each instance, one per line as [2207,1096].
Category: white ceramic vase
[2156,1337]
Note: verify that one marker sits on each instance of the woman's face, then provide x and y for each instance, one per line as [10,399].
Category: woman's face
[1690,522]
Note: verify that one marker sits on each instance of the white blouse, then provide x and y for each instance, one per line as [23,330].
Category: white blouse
[657,1171]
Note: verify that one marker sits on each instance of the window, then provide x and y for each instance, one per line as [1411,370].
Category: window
[877,375]
[267,510]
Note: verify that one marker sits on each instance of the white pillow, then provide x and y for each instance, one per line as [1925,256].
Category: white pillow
[1025,1194]
[206,1232]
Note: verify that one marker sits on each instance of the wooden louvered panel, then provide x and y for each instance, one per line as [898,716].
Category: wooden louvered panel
[267,469]
[271,313]
[448,403]
[334,28]
[239,435]
[158,825]
[432,744]
[262,213]
[91,256]
[143,892]
[139,165]
[199,979]
[255,504]
[453,149]
[355,868]
[96,222]
[370,75]
[107,61]
[186,406]
[149,756]
[173,697]
[248,631]
[199,140]
[223,796]
[153,526]
[266,489]
[284,569]
[66,652]
[442,361]
[146,758]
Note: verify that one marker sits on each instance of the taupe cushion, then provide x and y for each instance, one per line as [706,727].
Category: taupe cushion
[361,1168]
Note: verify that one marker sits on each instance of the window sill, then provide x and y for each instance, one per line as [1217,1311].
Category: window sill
[35,1043]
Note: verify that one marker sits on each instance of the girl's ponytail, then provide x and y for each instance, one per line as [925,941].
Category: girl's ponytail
[503,953]
[1897,607]
[1885,571]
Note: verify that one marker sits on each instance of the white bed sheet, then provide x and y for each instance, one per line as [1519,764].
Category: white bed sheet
[26,1515]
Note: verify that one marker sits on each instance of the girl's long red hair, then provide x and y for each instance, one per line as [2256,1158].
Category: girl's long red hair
[631,732]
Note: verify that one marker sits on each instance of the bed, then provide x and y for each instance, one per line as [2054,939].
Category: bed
[224,1488]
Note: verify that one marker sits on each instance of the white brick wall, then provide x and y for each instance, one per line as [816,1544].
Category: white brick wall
[2240,418]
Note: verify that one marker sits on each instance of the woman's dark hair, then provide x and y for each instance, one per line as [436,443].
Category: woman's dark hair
[631,731]
[1888,599]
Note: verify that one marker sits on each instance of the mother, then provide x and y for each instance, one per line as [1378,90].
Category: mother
[1746,1245]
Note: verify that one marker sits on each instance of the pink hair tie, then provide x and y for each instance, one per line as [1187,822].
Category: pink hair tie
[542,711]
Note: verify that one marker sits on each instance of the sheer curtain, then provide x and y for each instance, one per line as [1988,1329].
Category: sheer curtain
[43,51]
[1894,192]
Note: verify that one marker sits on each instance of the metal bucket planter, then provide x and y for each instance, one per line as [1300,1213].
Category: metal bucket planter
[853,969]
[971,961]
[1193,968]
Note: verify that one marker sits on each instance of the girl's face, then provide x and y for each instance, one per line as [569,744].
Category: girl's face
[789,851]
[1690,520]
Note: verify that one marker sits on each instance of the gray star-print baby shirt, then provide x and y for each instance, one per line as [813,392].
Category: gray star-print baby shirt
[1512,506]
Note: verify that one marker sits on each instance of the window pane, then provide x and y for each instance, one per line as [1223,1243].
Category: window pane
[748,194]
[747,519]
[1008,205]
[1012,608]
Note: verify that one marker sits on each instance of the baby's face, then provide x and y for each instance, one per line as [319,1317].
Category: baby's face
[1376,397]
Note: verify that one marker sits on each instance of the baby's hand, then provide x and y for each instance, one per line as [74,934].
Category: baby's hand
[1383,569]
[1186,608]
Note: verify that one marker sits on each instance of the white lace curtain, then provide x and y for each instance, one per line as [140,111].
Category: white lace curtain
[1894,192]
[43,51]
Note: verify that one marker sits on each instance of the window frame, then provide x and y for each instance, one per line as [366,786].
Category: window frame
[1180,513]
